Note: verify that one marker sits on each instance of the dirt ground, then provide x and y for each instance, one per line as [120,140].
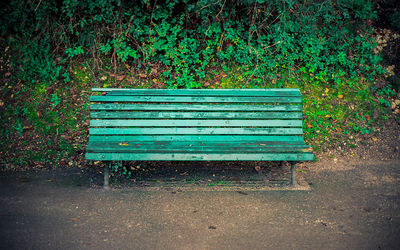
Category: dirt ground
[353,202]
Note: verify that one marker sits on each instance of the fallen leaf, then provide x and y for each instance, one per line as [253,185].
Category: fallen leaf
[310,149]
[123,144]
[309,125]
[74,219]
[340,96]
[121,77]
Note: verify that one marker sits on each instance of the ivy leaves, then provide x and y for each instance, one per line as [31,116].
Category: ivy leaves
[188,40]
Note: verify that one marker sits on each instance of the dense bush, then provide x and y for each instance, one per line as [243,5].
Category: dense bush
[187,40]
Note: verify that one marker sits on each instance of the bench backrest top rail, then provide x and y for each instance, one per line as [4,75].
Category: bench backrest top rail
[196,92]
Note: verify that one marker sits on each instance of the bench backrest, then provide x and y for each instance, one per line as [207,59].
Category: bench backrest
[196,115]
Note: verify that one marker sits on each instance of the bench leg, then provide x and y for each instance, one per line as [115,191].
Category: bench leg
[106,176]
[293,181]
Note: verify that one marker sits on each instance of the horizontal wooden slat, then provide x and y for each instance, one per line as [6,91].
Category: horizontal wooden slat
[201,92]
[196,99]
[196,123]
[195,131]
[191,147]
[200,157]
[198,115]
[195,107]
[93,149]
[196,138]
[180,144]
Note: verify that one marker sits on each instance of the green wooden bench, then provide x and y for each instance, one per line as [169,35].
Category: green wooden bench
[196,125]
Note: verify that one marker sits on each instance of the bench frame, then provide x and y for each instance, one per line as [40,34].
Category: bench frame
[196,125]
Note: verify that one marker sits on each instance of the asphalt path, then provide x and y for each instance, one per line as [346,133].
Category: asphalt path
[351,205]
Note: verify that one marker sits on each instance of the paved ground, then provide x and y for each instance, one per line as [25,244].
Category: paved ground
[351,205]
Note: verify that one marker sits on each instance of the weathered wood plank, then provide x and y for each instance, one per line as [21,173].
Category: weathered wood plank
[179,144]
[201,92]
[234,150]
[196,123]
[192,147]
[195,131]
[200,157]
[197,115]
[197,138]
[195,107]
[195,99]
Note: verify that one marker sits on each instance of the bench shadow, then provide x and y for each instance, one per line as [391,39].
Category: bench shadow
[200,175]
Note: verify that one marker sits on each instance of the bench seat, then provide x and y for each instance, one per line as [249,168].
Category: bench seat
[195,151]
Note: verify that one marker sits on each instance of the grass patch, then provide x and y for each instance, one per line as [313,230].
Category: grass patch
[47,125]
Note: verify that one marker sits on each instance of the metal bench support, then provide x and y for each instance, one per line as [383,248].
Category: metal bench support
[293,174]
[106,175]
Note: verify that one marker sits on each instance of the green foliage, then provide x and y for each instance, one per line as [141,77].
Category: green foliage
[334,115]
[55,100]
[117,167]
[187,40]
[71,52]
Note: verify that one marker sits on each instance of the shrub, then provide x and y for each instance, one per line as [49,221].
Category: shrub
[188,39]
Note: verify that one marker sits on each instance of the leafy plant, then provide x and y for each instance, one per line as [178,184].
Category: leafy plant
[55,100]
